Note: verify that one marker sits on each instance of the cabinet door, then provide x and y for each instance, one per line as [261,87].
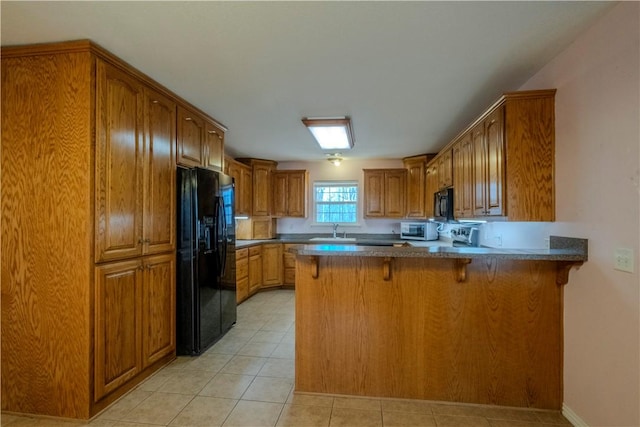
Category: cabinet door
[297,194]
[160,180]
[445,175]
[416,176]
[494,131]
[255,272]
[280,194]
[480,170]
[394,193]
[246,192]
[463,177]
[374,194]
[158,308]
[190,137]
[262,189]
[242,289]
[272,264]
[431,186]
[117,325]
[119,164]
[289,266]
[213,147]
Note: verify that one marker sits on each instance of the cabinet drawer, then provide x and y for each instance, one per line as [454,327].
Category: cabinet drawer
[289,276]
[289,260]
[255,250]
[242,268]
[242,289]
[242,253]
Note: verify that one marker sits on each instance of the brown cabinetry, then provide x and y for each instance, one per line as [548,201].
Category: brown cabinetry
[290,193]
[104,252]
[271,264]
[488,178]
[384,193]
[118,345]
[135,170]
[419,196]
[445,169]
[134,318]
[463,177]
[289,266]
[200,142]
[431,185]
[242,274]
[243,178]
[190,137]
[262,171]
[510,171]
[255,269]
[213,147]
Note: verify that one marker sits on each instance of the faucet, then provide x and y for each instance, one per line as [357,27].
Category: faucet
[335,230]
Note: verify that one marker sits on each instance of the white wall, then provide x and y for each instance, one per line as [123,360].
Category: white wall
[597,197]
[350,169]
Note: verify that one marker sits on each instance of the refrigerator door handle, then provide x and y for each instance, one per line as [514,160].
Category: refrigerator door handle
[223,252]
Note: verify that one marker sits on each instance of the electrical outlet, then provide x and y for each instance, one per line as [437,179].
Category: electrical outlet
[623,260]
[547,243]
[498,240]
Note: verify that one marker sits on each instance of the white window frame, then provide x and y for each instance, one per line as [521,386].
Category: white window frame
[327,183]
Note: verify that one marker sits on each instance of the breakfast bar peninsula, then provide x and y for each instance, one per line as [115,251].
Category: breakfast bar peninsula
[475,325]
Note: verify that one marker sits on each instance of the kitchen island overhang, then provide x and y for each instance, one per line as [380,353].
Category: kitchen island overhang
[467,325]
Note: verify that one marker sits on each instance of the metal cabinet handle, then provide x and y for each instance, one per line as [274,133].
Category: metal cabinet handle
[188,119]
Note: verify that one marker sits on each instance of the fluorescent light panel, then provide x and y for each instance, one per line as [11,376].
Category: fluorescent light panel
[331,133]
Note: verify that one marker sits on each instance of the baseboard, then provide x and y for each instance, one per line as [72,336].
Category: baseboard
[572,417]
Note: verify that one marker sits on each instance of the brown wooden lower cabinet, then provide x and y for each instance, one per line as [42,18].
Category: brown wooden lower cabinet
[271,264]
[242,274]
[420,333]
[289,266]
[134,318]
[255,269]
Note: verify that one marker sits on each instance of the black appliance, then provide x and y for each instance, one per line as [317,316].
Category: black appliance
[443,205]
[206,282]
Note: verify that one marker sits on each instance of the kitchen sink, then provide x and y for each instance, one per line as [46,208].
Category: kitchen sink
[333,239]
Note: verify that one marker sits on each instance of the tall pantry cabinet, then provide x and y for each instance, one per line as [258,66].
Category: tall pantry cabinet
[88,235]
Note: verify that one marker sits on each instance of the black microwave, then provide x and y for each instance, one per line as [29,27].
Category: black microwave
[443,205]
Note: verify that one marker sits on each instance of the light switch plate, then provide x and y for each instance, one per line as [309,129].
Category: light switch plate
[623,260]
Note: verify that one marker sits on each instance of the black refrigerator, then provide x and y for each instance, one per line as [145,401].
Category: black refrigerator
[206,281]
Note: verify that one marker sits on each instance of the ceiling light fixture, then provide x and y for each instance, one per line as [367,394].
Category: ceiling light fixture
[331,133]
[336,159]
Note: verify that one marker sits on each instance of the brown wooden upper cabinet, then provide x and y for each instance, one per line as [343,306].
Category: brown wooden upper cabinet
[135,181]
[243,178]
[504,161]
[290,193]
[200,142]
[463,177]
[431,186]
[488,163]
[418,195]
[213,147]
[445,169]
[384,193]
[262,171]
[190,136]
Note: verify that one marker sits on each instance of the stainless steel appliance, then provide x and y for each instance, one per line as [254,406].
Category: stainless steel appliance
[465,236]
[206,283]
[418,230]
[443,205]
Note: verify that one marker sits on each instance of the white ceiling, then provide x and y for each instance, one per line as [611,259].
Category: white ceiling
[410,74]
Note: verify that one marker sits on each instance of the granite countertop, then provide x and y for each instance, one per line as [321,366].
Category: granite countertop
[561,249]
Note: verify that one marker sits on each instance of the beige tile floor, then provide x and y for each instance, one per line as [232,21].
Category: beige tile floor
[246,379]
